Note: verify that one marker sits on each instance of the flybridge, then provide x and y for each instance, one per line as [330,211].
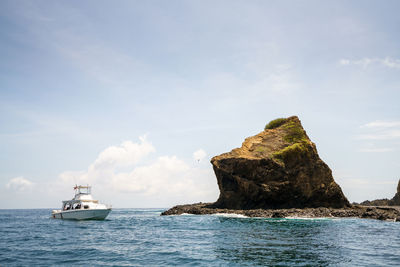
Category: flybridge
[82,189]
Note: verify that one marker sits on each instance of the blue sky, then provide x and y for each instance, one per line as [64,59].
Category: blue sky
[135,97]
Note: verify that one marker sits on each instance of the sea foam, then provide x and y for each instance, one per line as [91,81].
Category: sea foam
[230,215]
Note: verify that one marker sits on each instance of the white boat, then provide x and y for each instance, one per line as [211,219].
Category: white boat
[82,207]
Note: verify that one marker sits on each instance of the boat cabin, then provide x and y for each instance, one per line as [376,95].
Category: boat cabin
[82,200]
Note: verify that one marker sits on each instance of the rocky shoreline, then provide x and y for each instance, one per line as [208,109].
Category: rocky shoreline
[355,211]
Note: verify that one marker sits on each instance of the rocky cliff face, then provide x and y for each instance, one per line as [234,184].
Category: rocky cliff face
[277,168]
[396,198]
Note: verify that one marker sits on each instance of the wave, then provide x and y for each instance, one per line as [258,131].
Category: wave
[230,215]
[311,219]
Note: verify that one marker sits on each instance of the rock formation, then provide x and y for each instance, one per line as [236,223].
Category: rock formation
[277,168]
[278,173]
[395,201]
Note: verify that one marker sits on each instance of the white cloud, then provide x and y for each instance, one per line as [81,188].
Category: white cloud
[366,62]
[382,124]
[376,150]
[391,63]
[166,173]
[381,135]
[164,180]
[381,130]
[344,62]
[127,154]
[19,184]
[199,155]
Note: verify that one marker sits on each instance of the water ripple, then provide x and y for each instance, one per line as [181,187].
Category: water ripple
[140,237]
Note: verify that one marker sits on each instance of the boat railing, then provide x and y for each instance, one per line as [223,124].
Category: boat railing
[89,200]
[82,189]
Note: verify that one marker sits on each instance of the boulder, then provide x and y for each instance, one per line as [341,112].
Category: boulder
[277,168]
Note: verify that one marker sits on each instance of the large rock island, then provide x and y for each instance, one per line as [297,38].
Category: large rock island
[278,173]
[277,168]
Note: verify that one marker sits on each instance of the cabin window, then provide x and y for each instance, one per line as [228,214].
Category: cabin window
[86,206]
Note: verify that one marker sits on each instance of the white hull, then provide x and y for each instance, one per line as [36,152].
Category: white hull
[81,214]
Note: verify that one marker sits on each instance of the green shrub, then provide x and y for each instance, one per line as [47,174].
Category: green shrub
[275,123]
[295,149]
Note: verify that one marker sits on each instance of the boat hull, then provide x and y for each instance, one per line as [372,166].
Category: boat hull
[82,214]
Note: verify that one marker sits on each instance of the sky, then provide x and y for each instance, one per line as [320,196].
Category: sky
[136,97]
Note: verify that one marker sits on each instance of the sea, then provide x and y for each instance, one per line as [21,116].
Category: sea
[141,237]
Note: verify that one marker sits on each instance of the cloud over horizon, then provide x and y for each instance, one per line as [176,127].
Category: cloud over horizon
[381,130]
[162,181]
[366,62]
[126,154]
[19,184]
[380,136]
[199,155]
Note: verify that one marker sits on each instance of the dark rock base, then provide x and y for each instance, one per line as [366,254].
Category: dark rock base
[357,211]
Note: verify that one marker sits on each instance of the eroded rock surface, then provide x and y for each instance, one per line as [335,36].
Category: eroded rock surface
[278,168]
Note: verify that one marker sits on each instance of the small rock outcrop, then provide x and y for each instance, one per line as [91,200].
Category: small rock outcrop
[395,201]
[278,168]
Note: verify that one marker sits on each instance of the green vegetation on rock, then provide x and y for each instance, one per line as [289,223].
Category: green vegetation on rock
[260,149]
[301,148]
[275,123]
[295,133]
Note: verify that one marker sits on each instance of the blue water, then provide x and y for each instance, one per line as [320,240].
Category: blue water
[140,237]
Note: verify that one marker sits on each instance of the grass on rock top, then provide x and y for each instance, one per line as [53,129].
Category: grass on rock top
[275,123]
[295,136]
[301,148]
[295,133]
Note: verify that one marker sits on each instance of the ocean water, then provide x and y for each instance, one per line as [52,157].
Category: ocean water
[141,237]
